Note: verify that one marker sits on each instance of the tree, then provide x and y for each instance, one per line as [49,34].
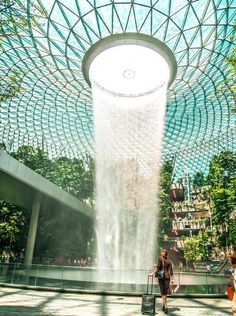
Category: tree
[199,180]
[76,176]
[165,203]
[14,222]
[222,169]
[191,249]
[198,247]
[222,180]
[36,159]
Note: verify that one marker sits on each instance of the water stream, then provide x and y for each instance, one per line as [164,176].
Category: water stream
[129,116]
[128,137]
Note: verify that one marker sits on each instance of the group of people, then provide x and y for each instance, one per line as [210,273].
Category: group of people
[164,264]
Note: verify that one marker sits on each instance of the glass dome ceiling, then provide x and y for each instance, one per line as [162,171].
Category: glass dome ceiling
[53,109]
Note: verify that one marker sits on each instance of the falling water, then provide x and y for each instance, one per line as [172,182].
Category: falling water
[128,144]
[128,137]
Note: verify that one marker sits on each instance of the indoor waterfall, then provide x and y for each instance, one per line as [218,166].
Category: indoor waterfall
[129,103]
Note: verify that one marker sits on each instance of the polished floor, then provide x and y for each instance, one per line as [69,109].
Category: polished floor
[28,302]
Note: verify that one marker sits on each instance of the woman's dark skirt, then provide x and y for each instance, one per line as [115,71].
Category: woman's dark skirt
[164,285]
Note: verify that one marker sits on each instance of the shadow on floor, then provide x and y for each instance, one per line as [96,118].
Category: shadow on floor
[21,310]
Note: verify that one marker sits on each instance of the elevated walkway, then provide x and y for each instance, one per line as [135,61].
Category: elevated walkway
[19,185]
[23,187]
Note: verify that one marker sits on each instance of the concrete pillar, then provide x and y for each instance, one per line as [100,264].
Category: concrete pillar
[32,229]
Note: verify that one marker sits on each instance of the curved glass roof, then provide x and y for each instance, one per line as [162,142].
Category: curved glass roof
[53,108]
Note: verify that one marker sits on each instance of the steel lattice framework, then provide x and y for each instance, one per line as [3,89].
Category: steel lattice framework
[54,109]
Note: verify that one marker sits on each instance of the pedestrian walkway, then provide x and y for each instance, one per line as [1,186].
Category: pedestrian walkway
[27,302]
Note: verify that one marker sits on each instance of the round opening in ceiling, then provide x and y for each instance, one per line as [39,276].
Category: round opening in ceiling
[129,64]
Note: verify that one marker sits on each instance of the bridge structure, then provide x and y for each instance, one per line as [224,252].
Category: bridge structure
[24,187]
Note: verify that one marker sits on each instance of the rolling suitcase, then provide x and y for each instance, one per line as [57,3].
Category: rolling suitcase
[148,299]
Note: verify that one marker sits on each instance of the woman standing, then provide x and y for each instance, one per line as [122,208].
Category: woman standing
[165,265]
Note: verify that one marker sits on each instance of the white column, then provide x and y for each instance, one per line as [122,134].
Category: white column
[32,229]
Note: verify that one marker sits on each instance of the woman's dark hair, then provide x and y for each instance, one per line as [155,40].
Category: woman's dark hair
[233,259]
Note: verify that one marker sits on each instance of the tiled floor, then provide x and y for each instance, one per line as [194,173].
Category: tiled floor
[26,302]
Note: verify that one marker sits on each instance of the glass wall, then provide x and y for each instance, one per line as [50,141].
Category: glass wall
[131,282]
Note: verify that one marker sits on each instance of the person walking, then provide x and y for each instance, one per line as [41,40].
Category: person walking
[164,273]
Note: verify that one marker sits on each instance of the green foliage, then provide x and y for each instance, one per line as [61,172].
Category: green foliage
[12,23]
[36,159]
[221,206]
[228,86]
[11,85]
[220,193]
[76,176]
[232,195]
[222,169]
[13,220]
[197,247]
[13,228]
[199,180]
[232,231]
[191,249]
[232,63]
[165,203]
[222,179]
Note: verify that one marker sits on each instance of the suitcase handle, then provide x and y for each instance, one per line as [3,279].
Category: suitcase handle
[150,276]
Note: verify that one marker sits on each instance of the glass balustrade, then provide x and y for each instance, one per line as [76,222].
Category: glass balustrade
[128,281]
